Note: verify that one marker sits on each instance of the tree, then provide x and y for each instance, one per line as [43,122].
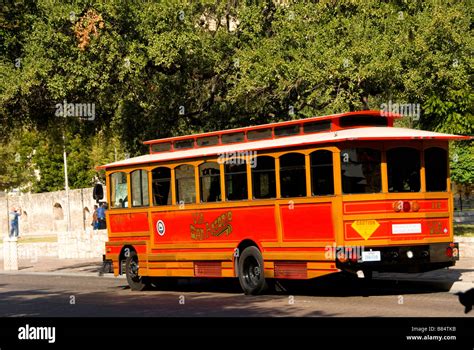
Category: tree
[159,69]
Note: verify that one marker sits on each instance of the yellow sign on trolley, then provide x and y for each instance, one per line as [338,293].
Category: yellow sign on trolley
[365,228]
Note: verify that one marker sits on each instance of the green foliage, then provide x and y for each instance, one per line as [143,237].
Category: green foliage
[10,177]
[17,162]
[462,163]
[48,159]
[158,69]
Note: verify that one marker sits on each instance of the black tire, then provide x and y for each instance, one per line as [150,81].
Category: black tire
[107,266]
[251,273]
[135,281]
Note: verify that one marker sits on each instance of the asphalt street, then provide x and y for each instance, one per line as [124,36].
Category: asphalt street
[76,296]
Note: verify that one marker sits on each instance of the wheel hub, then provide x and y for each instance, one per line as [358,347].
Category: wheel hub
[252,271]
[134,269]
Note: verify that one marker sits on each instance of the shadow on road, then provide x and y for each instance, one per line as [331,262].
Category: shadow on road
[335,285]
[108,303]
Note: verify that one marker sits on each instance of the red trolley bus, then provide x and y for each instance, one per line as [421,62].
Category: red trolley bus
[290,200]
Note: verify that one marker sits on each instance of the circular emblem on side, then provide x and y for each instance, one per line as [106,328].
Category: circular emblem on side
[160,227]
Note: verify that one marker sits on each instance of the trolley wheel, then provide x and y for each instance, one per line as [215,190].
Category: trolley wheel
[135,281]
[251,274]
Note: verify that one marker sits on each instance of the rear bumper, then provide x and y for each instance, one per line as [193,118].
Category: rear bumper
[424,258]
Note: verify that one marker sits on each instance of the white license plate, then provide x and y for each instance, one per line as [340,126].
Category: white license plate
[371,256]
[406,229]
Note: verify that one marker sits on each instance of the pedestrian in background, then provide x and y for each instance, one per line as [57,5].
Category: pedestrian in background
[14,214]
[95,218]
[101,217]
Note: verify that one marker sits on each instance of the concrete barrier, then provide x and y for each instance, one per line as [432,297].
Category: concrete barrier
[466,246]
[10,254]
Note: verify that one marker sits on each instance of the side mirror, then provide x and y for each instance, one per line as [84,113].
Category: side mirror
[98,192]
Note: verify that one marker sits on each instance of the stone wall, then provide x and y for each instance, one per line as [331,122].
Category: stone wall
[82,244]
[464,217]
[46,213]
[31,252]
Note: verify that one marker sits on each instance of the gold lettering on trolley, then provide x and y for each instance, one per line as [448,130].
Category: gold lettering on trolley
[198,218]
[435,227]
[201,230]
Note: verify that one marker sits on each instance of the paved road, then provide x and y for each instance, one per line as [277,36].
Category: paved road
[36,295]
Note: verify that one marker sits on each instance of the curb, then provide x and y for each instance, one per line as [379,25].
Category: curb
[63,274]
[461,286]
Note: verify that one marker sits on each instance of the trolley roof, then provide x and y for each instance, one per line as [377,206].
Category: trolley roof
[359,134]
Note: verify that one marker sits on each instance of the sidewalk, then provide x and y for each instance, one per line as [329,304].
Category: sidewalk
[56,266]
[455,279]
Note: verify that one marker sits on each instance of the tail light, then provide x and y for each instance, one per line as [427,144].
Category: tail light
[406,206]
[353,257]
[398,206]
[342,257]
[449,252]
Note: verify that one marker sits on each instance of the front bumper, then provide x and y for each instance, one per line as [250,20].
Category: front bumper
[412,258]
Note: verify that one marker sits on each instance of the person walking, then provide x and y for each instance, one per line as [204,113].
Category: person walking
[95,218]
[101,217]
[14,214]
